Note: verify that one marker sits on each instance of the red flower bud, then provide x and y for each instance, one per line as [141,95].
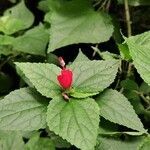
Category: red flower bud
[65,78]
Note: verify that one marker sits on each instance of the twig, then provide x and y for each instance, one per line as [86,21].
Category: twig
[4,62]
[102,5]
[108,5]
[97,3]
[127,15]
[96,50]
[7,60]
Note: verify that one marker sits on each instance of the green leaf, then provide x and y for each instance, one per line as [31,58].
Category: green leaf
[28,134]
[58,141]
[146,144]
[129,84]
[139,47]
[11,141]
[16,18]
[81,57]
[116,108]
[52,59]
[23,109]
[24,78]
[145,88]
[114,133]
[6,49]
[39,143]
[76,121]
[43,76]
[73,6]
[124,51]
[75,22]
[6,44]
[80,94]
[108,128]
[47,16]
[105,143]
[107,55]
[34,41]
[94,76]
[6,40]
[43,5]
[134,99]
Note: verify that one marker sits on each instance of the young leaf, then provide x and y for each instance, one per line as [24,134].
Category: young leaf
[146,144]
[16,18]
[34,41]
[44,6]
[39,143]
[6,44]
[76,22]
[116,108]
[129,84]
[6,49]
[43,76]
[23,109]
[80,94]
[6,40]
[145,88]
[124,51]
[94,76]
[139,47]
[76,121]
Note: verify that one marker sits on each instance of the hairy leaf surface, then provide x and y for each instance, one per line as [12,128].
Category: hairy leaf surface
[76,121]
[139,47]
[116,108]
[43,76]
[75,22]
[94,76]
[110,143]
[23,109]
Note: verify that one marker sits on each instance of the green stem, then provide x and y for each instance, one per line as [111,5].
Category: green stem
[142,97]
[129,30]
[129,69]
